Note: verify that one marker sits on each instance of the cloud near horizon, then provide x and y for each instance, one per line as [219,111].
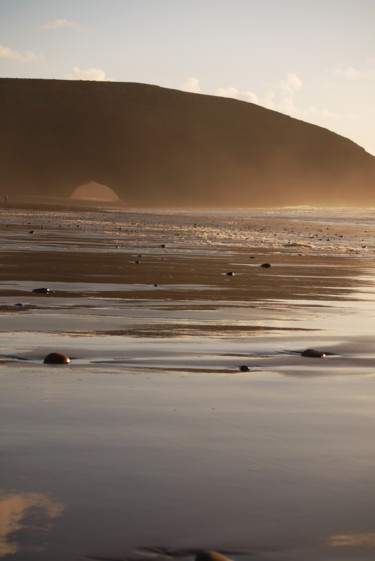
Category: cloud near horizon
[285,93]
[60,23]
[191,85]
[236,94]
[281,97]
[96,74]
[353,74]
[10,54]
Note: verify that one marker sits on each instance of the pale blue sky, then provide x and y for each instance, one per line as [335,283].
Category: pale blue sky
[314,60]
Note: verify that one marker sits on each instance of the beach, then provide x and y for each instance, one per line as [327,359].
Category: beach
[188,418]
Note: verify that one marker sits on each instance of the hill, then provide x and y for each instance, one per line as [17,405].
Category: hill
[159,147]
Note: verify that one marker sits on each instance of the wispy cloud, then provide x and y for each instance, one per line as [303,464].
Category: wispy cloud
[236,94]
[313,111]
[10,54]
[280,96]
[291,84]
[283,97]
[89,74]
[354,74]
[60,23]
[191,85]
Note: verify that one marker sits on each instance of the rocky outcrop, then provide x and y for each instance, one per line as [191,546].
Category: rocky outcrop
[158,147]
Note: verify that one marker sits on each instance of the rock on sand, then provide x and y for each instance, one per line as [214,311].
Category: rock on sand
[313,353]
[56,358]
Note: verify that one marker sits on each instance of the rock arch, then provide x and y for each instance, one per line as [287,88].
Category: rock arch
[94,191]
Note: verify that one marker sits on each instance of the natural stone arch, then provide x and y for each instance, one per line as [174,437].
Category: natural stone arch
[94,191]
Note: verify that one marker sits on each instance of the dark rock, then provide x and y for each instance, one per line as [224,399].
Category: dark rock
[209,555]
[18,305]
[163,245]
[43,290]
[266,265]
[56,358]
[244,368]
[313,353]
[230,274]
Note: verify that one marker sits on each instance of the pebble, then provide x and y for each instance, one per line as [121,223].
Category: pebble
[266,265]
[43,290]
[313,353]
[244,368]
[230,274]
[56,358]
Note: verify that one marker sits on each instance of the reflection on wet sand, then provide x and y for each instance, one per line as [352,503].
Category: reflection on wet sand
[353,540]
[30,513]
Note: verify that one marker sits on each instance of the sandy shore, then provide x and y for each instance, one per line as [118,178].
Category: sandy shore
[153,437]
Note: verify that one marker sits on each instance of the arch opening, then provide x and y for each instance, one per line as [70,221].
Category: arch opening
[94,191]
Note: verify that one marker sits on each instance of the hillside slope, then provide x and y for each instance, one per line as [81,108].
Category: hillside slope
[155,146]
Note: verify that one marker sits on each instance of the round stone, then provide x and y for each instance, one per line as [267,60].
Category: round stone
[43,290]
[313,353]
[56,358]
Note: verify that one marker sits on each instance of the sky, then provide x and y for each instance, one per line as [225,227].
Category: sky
[311,59]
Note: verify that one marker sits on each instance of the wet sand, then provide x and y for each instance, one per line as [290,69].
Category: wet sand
[152,437]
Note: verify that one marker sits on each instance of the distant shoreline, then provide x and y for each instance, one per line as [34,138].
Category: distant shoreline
[64,204]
